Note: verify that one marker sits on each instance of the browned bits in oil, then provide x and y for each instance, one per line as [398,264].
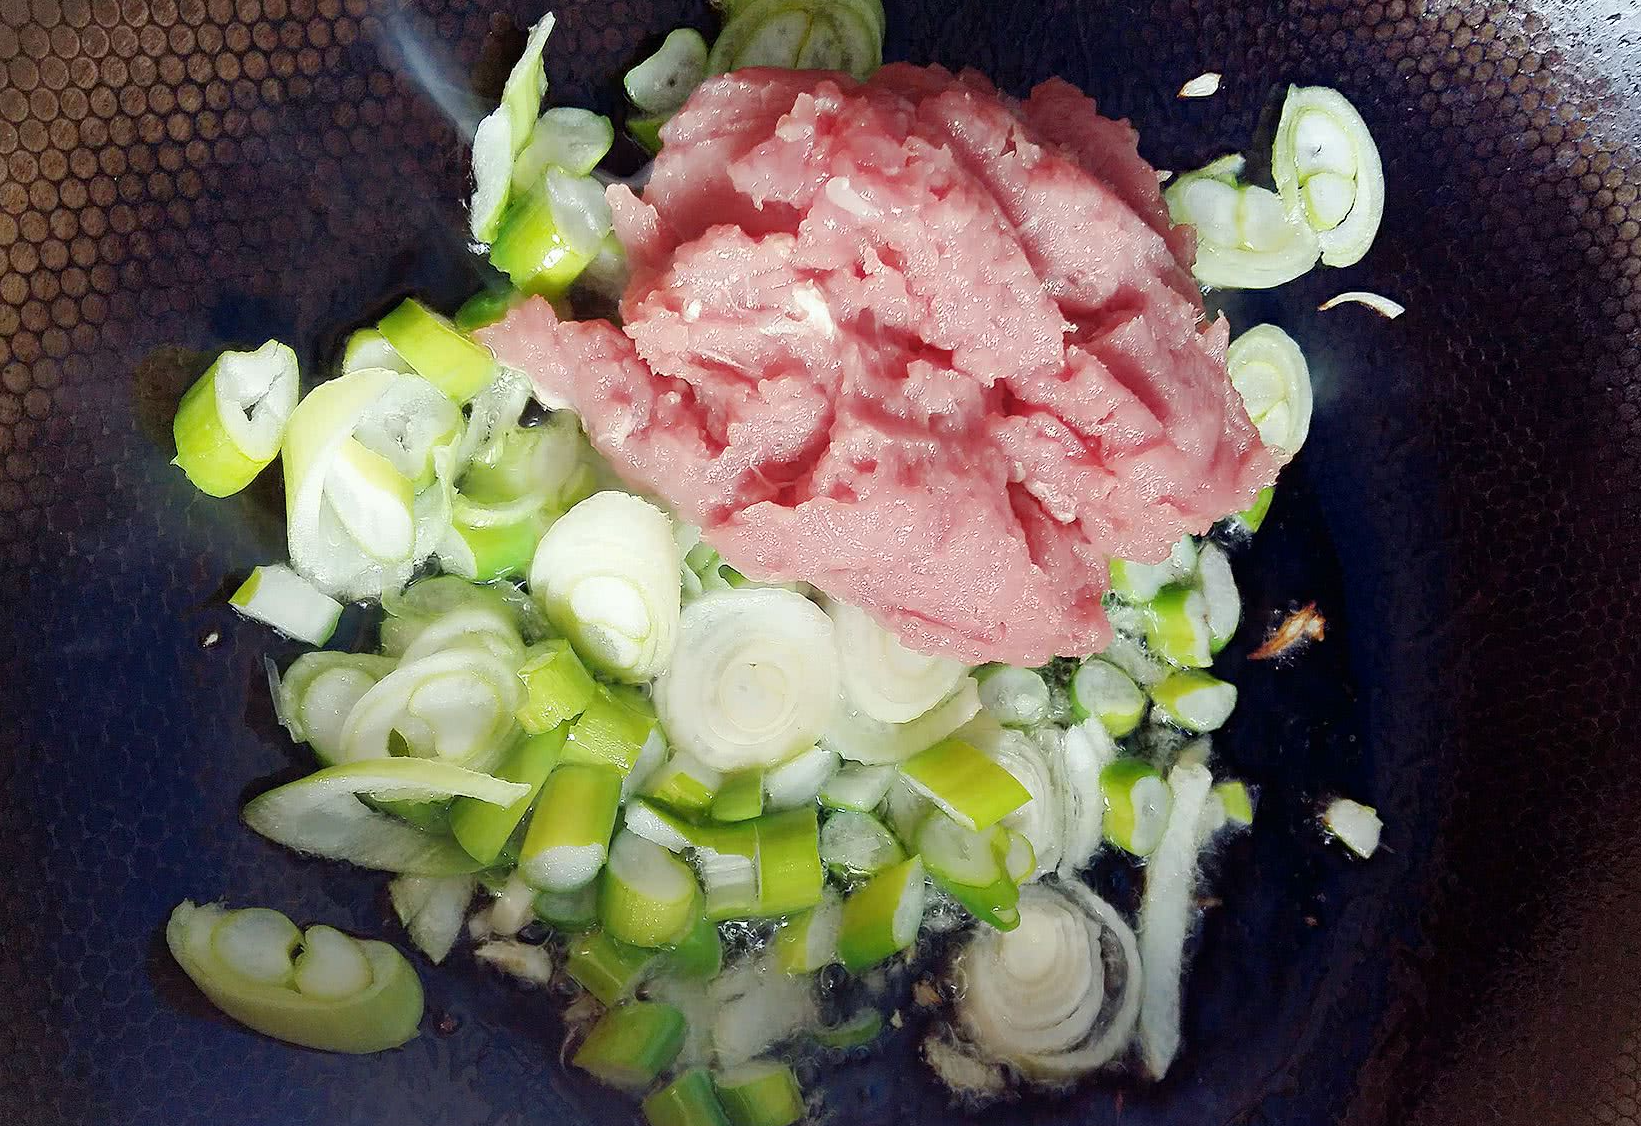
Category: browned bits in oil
[1304,625]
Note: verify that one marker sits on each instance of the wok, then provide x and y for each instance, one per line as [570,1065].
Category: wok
[177,176]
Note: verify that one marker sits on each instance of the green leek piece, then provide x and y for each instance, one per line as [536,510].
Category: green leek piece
[482,554]
[1246,238]
[1019,857]
[485,308]
[1236,801]
[726,857]
[569,911]
[1176,627]
[1137,583]
[531,251]
[567,138]
[858,1031]
[857,787]
[569,834]
[689,1100]
[1015,697]
[655,823]
[367,348]
[799,779]
[808,941]
[858,844]
[684,783]
[229,424]
[321,814]
[1137,801]
[740,798]
[1194,700]
[971,788]
[340,994]
[646,130]
[790,876]
[699,955]
[632,1044]
[277,596]
[1327,167]
[1101,690]
[997,904]
[483,829]
[526,83]
[648,896]
[557,687]
[1354,825]
[373,502]
[800,34]
[1269,372]
[1219,593]
[665,80]
[611,730]
[882,918]
[317,692]
[956,853]
[607,969]
[760,1093]
[432,909]
[444,357]
[1253,517]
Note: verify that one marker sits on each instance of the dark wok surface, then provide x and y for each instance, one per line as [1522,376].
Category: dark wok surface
[180,175]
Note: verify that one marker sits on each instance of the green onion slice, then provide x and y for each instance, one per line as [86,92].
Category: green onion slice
[567,138]
[1194,700]
[881,677]
[1269,371]
[971,788]
[1166,910]
[1354,825]
[648,897]
[1102,691]
[318,691]
[808,941]
[230,423]
[632,1044]
[799,780]
[858,844]
[279,597]
[611,971]
[857,787]
[432,909]
[1137,801]
[1327,167]
[882,918]
[688,1100]
[484,829]
[858,737]
[1246,238]
[760,1093]
[665,80]
[568,836]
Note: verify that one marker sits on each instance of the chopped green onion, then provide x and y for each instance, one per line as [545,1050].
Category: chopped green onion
[1176,627]
[857,787]
[699,954]
[1327,167]
[1253,517]
[230,423]
[569,911]
[858,844]
[688,1100]
[1224,603]
[799,779]
[808,941]
[439,354]
[481,310]
[367,348]
[799,34]
[790,876]
[530,249]
[648,897]
[277,596]
[1270,374]
[573,140]
[455,704]
[1194,700]
[492,167]
[753,680]
[997,905]
[646,130]
[1237,802]
[632,1044]
[612,731]
[1354,825]
[432,909]
[320,814]
[760,1093]
[318,690]
[882,918]
[1085,749]
[726,858]
[971,788]
[611,971]
[1246,238]
[607,575]
[858,737]
[1102,691]
[580,211]
[740,798]
[415,426]
[483,829]
[491,551]
[858,1031]
[656,824]
[1140,582]
[684,783]
[340,994]
[1137,801]
[1166,908]
[665,80]
[959,854]
[1015,697]
[557,687]
[1019,858]
[1042,818]
[882,678]
[569,834]
[526,83]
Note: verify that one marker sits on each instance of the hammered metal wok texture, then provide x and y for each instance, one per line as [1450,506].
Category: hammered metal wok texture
[181,175]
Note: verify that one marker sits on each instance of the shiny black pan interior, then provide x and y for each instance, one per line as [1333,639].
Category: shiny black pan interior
[181,175]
